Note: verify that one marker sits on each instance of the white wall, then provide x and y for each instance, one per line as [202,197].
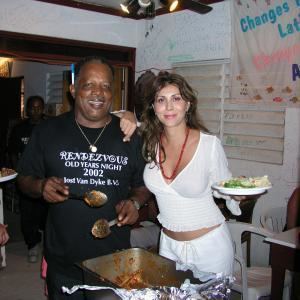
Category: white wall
[187,36]
[34,76]
[182,36]
[33,17]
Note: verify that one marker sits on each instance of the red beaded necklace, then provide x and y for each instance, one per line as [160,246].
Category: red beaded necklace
[173,175]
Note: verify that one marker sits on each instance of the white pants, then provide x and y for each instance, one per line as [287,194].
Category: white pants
[212,252]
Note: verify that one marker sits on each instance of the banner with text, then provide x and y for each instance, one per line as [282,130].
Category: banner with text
[266,51]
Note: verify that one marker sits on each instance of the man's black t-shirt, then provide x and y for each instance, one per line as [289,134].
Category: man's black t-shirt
[58,148]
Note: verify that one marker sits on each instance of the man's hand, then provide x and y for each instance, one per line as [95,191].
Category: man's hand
[127,213]
[54,190]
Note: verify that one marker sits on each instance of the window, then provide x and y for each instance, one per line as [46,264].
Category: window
[248,131]
[54,87]
[210,79]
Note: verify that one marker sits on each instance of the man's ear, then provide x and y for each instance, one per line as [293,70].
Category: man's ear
[72,90]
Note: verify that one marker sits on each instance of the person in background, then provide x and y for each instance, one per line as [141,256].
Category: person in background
[4,237]
[75,152]
[32,213]
[183,163]
[293,210]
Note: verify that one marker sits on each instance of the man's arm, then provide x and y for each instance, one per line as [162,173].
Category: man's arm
[30,186]
[52,189]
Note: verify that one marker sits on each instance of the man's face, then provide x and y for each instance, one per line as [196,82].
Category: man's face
[93,94]
[35,110]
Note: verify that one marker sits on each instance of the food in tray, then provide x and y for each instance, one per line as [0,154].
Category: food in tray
[131,280]
[246,182]
[6,172]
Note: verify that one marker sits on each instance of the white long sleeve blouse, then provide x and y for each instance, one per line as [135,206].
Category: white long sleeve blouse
[187,203]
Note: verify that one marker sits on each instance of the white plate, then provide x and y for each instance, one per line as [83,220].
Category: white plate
[9,177]
[241,191]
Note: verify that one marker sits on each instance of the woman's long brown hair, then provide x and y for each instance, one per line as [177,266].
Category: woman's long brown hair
[151,128]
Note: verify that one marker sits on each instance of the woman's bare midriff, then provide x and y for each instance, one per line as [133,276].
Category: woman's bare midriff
[188,235]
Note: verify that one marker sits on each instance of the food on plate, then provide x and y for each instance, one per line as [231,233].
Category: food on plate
[246,182]
[6,172]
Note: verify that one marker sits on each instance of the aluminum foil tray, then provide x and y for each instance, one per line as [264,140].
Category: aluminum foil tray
[134,268]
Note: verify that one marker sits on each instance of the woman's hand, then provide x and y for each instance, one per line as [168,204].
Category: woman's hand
[128,123]
[240,198]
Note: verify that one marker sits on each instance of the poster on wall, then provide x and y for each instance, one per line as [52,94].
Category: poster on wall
[266,51]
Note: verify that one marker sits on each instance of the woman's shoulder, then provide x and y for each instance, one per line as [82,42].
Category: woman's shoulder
[208,137]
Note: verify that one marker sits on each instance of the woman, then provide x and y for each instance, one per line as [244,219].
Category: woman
[183,162]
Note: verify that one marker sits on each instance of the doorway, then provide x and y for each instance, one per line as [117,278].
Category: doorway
[65,51]
[10,99]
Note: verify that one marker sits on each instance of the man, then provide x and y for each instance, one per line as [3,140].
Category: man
[79,151]
[33,213]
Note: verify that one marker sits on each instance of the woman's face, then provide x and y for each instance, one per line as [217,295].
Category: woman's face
[169,106]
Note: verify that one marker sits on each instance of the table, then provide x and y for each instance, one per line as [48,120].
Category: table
[285,254]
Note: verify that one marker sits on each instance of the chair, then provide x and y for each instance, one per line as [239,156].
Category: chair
[247,207]
[274,219]
[251,282]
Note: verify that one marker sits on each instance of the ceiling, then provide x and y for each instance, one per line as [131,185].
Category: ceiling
[112,7]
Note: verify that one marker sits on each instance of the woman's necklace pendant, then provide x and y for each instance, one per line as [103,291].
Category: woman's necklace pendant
[93,148]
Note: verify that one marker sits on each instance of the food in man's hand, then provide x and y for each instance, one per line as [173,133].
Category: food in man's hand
[101,229]
[246,183]
[6,172]
[95,198]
